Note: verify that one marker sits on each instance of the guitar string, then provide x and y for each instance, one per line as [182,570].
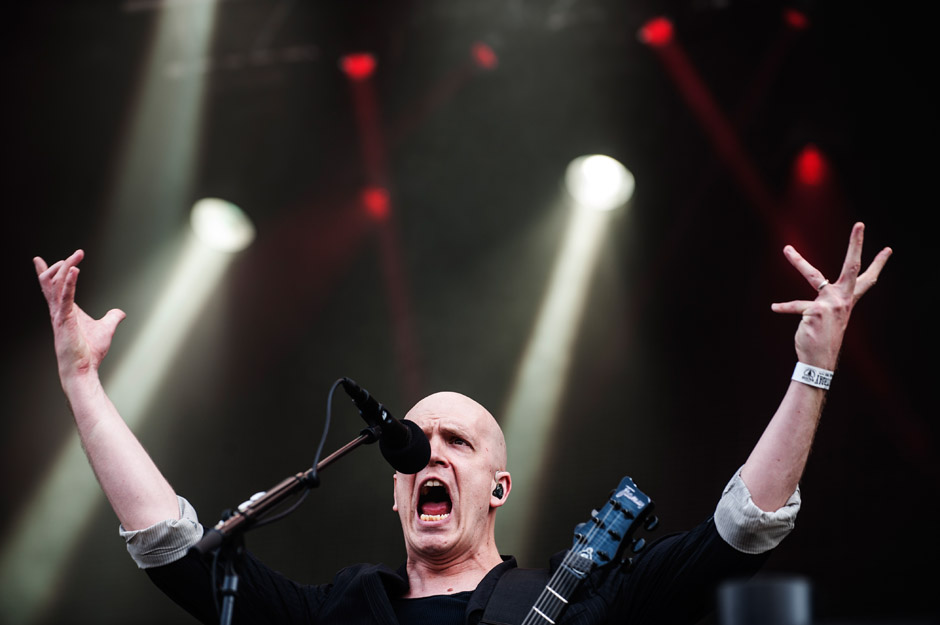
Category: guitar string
[569,582]
[571,556]
[567,587]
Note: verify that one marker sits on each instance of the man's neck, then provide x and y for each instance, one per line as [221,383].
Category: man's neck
[427,578]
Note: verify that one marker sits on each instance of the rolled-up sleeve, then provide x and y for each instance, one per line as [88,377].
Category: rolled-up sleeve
[746,527]
[166,541]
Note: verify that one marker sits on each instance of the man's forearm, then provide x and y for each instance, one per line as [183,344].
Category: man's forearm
[137,491]
[775,466]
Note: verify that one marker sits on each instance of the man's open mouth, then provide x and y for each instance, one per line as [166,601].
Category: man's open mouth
[433,501]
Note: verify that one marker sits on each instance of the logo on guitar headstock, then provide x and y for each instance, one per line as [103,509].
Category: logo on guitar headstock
[630,493]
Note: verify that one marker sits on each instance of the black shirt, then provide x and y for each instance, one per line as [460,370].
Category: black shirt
[673,581]
[434,610]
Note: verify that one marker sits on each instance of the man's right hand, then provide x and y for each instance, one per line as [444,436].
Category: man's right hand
[81,342]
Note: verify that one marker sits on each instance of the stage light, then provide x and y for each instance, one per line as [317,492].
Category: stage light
[484,56]
[376,202]
[599,182]
[810,166]
[797,20]
[221,225]
[656,32]
[358,66]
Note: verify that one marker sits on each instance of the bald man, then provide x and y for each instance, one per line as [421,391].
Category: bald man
[448,509]
[454,572]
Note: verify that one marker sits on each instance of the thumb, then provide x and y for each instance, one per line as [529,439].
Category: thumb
[113,318]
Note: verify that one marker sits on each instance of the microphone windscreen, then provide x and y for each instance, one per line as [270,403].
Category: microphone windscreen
[412,455]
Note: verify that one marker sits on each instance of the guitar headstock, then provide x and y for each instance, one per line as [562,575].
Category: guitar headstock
[611,528]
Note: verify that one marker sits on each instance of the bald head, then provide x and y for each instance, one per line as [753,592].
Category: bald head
[466,412]
[448,509]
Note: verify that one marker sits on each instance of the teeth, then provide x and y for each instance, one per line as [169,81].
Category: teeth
[434,517]
[427,485]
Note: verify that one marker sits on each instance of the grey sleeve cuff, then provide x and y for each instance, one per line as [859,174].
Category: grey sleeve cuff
[746,527]
[166,541]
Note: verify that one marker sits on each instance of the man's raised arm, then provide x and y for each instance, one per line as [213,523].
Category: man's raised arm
[137,491]
[775,466]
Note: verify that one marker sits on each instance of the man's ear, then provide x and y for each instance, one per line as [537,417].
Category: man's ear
[394,493]
[502,483]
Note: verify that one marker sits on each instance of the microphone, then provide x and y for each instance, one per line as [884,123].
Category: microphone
[403,443]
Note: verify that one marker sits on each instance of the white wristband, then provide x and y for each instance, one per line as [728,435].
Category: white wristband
[813,376]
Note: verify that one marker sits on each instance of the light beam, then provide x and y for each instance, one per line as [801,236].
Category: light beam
[532,408]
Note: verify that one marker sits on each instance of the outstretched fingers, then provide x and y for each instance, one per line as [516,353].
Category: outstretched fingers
[853,258]
[68,288]
[857,284]
[870,277]
[795,307]
[58,280]
[40,265]
[849,287]
[48,274]
[812,275]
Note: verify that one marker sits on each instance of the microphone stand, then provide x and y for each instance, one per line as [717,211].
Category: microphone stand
[228,534]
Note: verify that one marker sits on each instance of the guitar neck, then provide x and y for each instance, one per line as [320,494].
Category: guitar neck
[596,542]
[554,598]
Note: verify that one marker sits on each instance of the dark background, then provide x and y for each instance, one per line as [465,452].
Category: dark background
[679,361]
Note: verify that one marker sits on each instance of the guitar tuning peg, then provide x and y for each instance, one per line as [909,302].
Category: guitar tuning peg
[638,545]
[651,523]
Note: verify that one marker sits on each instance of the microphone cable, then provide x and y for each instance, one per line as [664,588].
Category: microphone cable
[311,481]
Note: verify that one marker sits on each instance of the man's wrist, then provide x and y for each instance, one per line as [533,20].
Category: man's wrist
[83,379]
[812,375]
[81,386]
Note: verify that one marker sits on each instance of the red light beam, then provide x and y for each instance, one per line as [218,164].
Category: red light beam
[378,205]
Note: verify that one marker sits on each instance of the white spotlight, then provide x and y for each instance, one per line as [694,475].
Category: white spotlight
[221,225]
[599,182]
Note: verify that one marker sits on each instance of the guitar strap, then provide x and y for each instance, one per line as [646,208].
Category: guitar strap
[516,592]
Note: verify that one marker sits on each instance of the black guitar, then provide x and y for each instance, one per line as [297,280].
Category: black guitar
[596,542]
